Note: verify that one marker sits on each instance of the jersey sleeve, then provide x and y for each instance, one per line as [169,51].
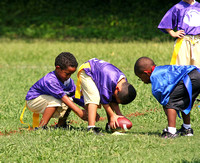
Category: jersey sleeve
[169,21]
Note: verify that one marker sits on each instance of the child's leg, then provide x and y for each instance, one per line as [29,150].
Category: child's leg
[91,97]
[47,116]
[92,111]
[171,117]
[186,129]
[46,105]
[62,120]
[186,118]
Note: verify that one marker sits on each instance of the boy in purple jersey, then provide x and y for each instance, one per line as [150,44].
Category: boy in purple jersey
[103,83]
[184,16]
[53,94]
[175,87]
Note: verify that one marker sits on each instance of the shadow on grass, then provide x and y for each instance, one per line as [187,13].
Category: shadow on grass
[106,132]
[72,128]
[145,133]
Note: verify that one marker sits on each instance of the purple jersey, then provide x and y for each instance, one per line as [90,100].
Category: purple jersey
[182,16]
[51,85]
[106,77]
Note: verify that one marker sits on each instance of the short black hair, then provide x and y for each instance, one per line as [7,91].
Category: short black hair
[142,64]
[127,93]
[65,60]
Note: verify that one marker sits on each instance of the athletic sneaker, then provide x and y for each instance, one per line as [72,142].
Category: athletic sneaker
[107,128]
[64,127]
[112,131]
[95,130]
[43,127]
[185,132]
[166,134]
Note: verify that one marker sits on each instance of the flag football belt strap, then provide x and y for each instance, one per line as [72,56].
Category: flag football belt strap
[176,50]
[36,118]
[192,40]
[78,84]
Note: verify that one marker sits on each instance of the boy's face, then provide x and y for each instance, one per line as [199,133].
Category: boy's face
[64,74]
[116,95]
[145,77]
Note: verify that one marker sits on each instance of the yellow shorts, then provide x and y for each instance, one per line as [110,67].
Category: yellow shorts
[89,89]
[39,104]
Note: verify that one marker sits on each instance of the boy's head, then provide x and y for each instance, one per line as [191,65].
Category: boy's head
[66,65]
[143,69]
[125,93]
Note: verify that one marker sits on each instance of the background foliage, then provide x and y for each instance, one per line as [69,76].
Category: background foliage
[120,20]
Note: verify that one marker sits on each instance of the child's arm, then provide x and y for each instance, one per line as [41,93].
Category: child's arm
[177,34]
[115,108]
[113,116]
[81,113]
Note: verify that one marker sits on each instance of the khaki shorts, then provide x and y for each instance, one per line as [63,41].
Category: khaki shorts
[189,53]
[89,89]
[39,104]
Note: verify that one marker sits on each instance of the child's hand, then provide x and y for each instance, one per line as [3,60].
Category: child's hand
[177,34]
[113,121]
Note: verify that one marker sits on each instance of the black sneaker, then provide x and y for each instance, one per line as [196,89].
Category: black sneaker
[107,128]
[185,132]
[43,127]
[118,130]
[64,127]
[95,130]
[166,134]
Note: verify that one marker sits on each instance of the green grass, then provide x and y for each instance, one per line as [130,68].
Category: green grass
[22,63]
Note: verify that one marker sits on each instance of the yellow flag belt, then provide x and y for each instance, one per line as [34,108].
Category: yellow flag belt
[78,84]
[35,118]
[176,51]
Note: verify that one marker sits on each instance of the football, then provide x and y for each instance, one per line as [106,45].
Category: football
[124,124]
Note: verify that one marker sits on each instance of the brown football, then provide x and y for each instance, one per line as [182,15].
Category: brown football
[124,123]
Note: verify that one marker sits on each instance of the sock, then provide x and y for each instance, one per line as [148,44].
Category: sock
[90,126]
[172,130]
[186,126]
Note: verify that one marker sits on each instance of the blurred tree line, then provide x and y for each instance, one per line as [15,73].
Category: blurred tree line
[121,20]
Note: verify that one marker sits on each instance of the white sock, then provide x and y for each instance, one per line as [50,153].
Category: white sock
[186,126]
[90,126]
[172,130]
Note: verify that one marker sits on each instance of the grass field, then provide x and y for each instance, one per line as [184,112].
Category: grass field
[22,63]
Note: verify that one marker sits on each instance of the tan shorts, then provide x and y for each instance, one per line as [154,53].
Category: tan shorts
[189,53]
[89,89]
[39,104]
